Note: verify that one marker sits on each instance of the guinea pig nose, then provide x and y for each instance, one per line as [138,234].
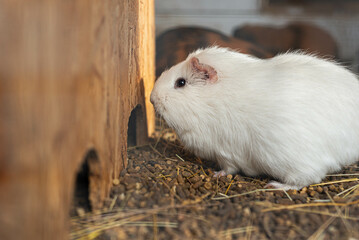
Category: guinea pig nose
[152,99]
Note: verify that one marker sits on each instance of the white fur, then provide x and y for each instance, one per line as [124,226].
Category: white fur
[294,117]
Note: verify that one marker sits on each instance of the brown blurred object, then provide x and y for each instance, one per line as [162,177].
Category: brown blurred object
[70,74]
[294,36]
[174,45]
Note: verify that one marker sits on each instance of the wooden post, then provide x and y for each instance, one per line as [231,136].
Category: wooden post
[70,74]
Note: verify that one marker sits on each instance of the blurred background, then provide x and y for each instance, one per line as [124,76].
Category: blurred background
[263,28]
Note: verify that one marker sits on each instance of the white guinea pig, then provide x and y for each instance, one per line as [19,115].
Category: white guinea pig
[294,117]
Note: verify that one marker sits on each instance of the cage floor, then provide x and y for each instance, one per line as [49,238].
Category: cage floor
[167,193]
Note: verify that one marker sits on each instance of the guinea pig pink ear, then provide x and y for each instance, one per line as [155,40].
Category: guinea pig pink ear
[207,72]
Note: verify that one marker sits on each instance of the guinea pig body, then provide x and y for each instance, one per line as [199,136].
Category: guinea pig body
[294,117]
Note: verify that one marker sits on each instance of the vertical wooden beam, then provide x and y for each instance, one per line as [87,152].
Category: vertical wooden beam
[147,62]
[70,74]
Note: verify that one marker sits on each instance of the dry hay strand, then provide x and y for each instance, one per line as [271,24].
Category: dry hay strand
[321,229]
[223,196]
[289,207]
[238,230]
[326,213]
[334,182]
[340,214]
[91,225]
[348,191]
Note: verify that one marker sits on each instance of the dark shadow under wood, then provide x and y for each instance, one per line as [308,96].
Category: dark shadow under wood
[136,127]
[87,183]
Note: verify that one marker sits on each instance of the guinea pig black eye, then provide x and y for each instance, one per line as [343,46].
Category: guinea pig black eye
[181,82]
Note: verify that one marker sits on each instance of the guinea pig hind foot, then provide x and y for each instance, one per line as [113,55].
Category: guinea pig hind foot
[225,172]
[221,173]
[278,185]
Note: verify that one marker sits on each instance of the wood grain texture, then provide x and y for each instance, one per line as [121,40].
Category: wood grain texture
[70,74]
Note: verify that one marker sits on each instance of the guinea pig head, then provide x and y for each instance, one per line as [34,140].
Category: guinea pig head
[180,92]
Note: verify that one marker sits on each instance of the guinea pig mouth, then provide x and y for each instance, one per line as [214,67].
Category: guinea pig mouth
[159,108]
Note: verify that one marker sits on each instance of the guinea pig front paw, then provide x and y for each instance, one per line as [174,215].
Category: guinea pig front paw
[221,173]
[278,185]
